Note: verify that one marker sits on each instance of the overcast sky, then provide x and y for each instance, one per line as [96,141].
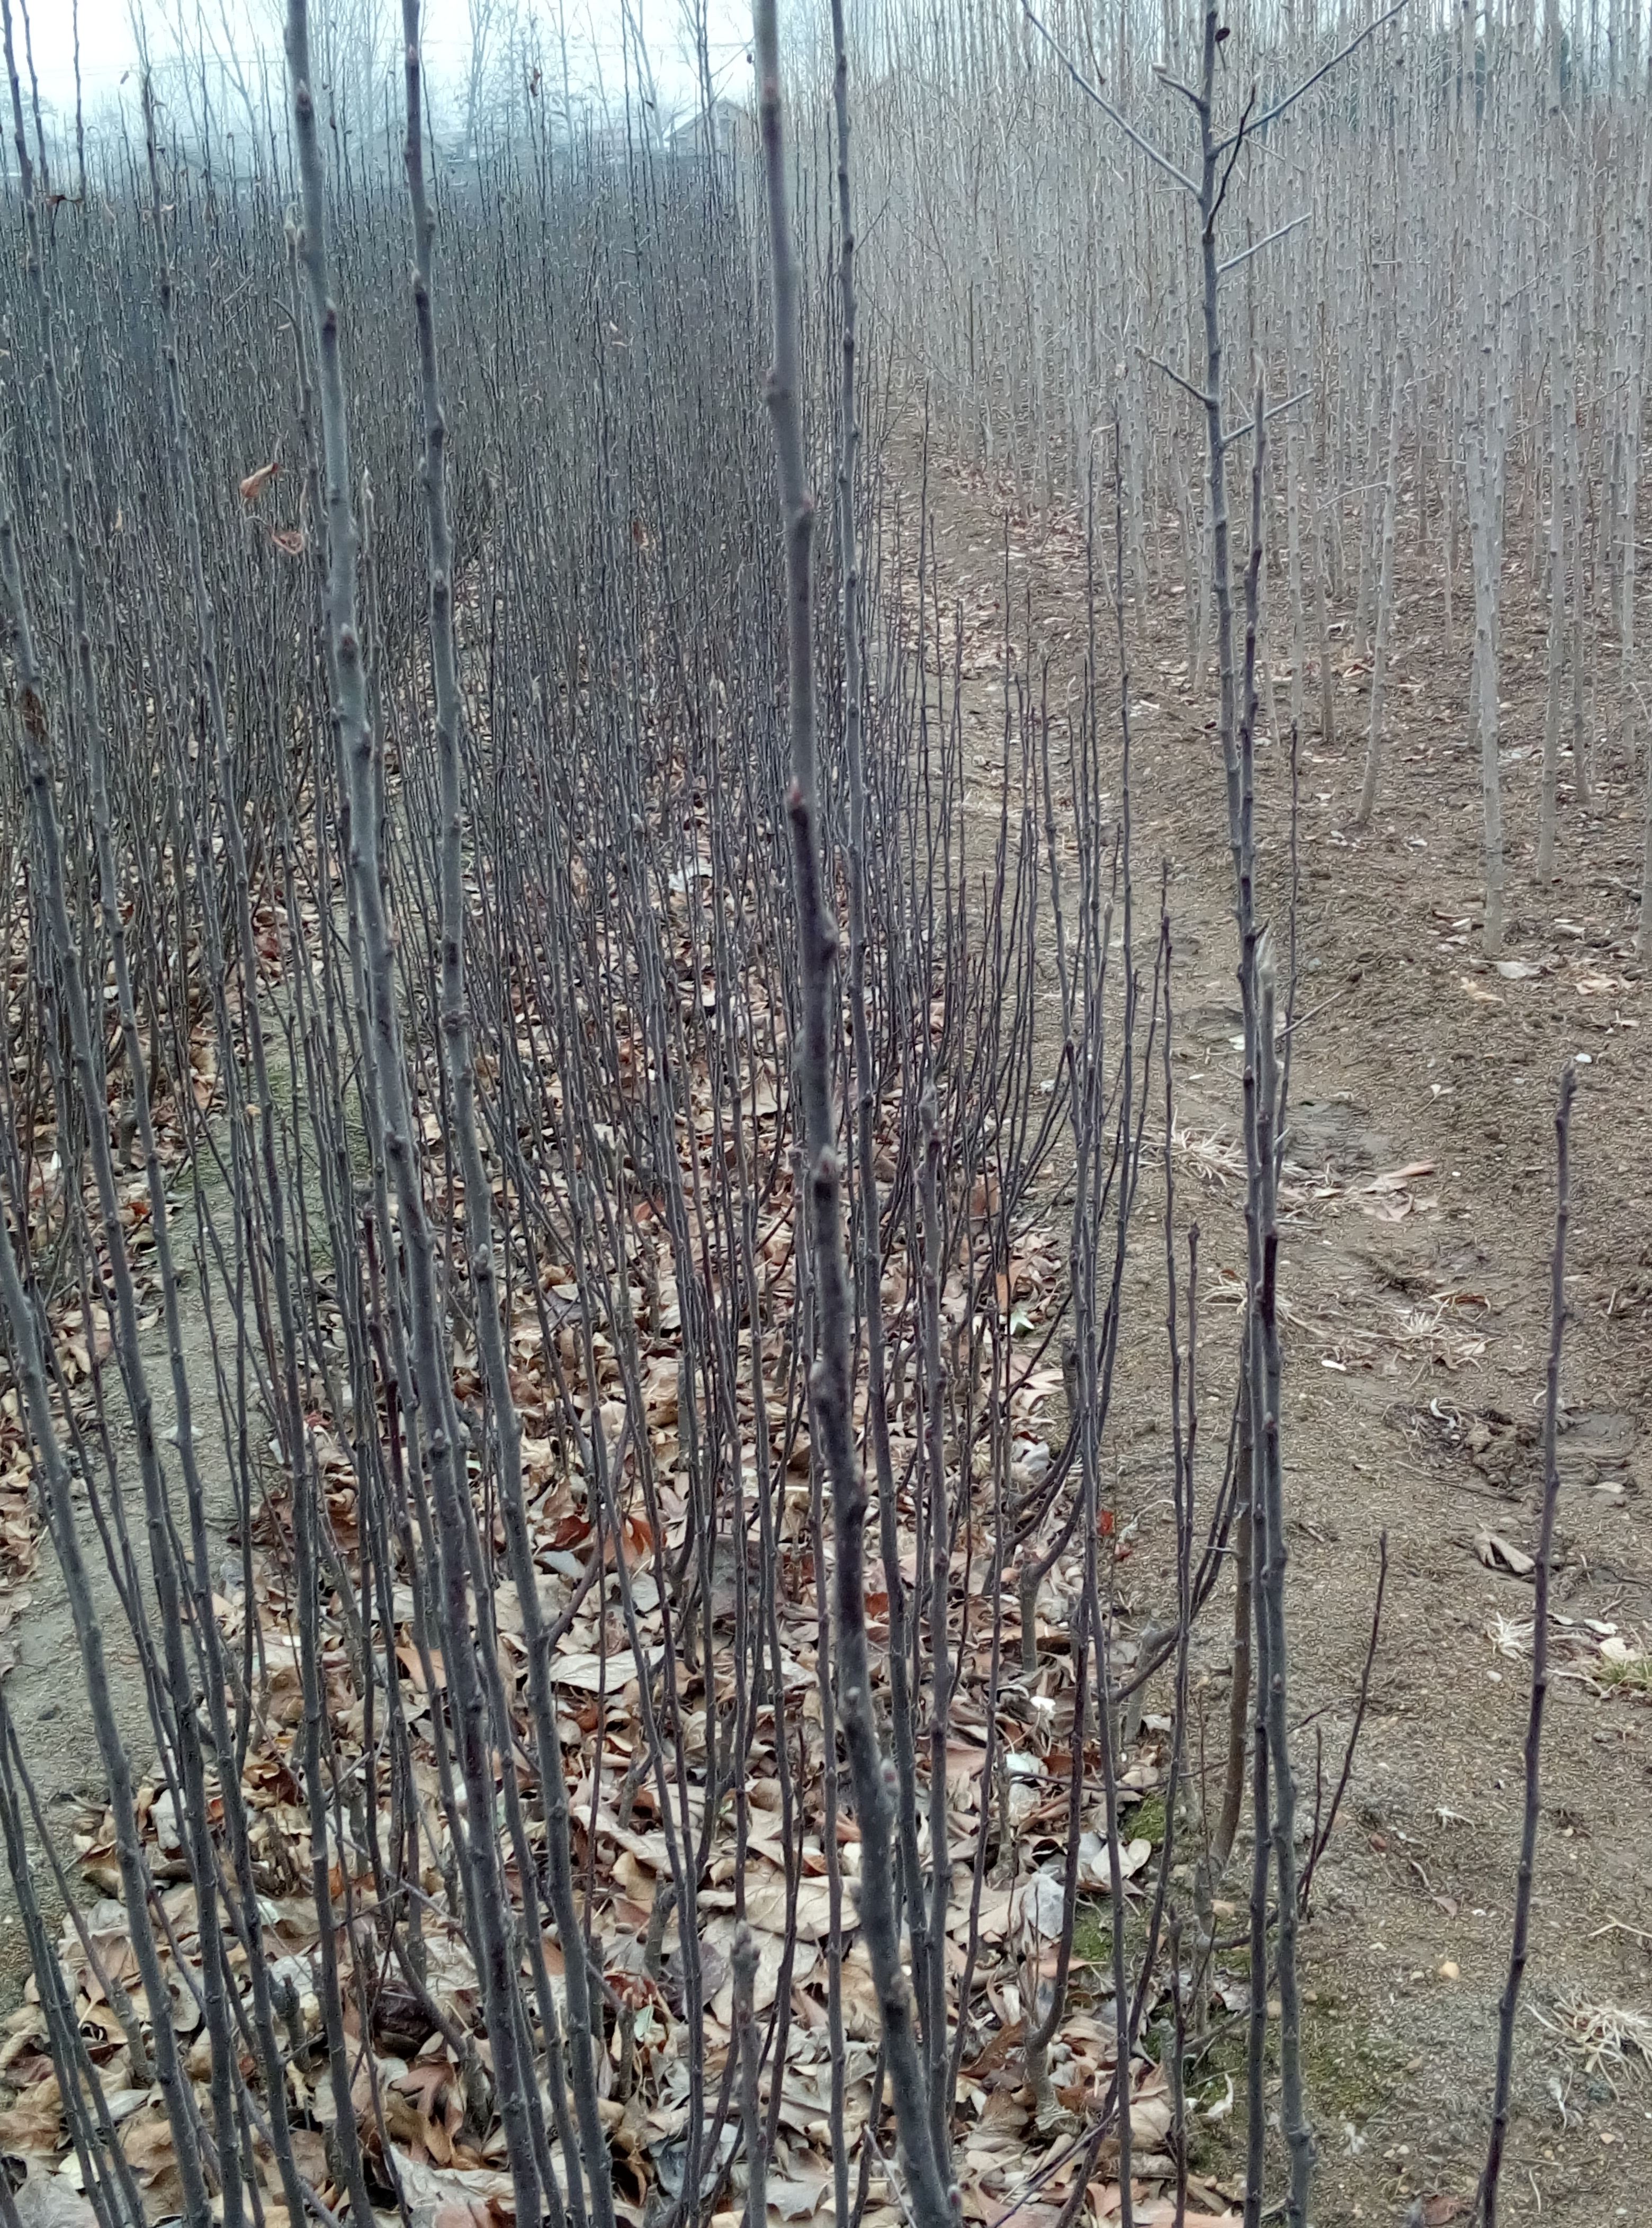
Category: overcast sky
[109,43]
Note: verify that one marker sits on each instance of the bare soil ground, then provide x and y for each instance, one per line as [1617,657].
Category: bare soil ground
[44,1692]
[1416,1275]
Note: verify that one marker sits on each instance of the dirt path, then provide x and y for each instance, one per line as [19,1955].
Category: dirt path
[45,1691]
[1415,1275]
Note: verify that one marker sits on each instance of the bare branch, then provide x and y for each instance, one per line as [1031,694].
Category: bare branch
[1269,116]
[1093,93]
[1257,246]
[1275,410]
[1186,385]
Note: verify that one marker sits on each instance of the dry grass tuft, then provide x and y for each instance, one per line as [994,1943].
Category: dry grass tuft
[1608,2037]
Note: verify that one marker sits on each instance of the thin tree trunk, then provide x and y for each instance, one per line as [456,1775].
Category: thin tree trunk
[1510,2004]
[831,1378]
[1385,611]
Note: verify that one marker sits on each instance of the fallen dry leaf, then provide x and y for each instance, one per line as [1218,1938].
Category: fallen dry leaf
[51,2200]
[33,2125]
[1439,2208]
[1498,1554]
[1398,1179]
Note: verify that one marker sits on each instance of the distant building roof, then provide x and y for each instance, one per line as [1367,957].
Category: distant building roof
[722,124]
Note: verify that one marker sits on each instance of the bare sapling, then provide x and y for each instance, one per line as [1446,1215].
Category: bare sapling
[1487,407]
[830,1377]
[1263,1112]
[287,1403]
[478,1223]
[1097,1188]
[1643,924]
[1379,653]
[1206,183]
[42,724]
[1559,372]
[1509,2007]
[431,1368]
[868,1234]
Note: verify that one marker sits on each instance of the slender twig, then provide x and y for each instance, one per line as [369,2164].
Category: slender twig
[1323,1834]
[1232,262]
[1186,386]
[744,1962]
